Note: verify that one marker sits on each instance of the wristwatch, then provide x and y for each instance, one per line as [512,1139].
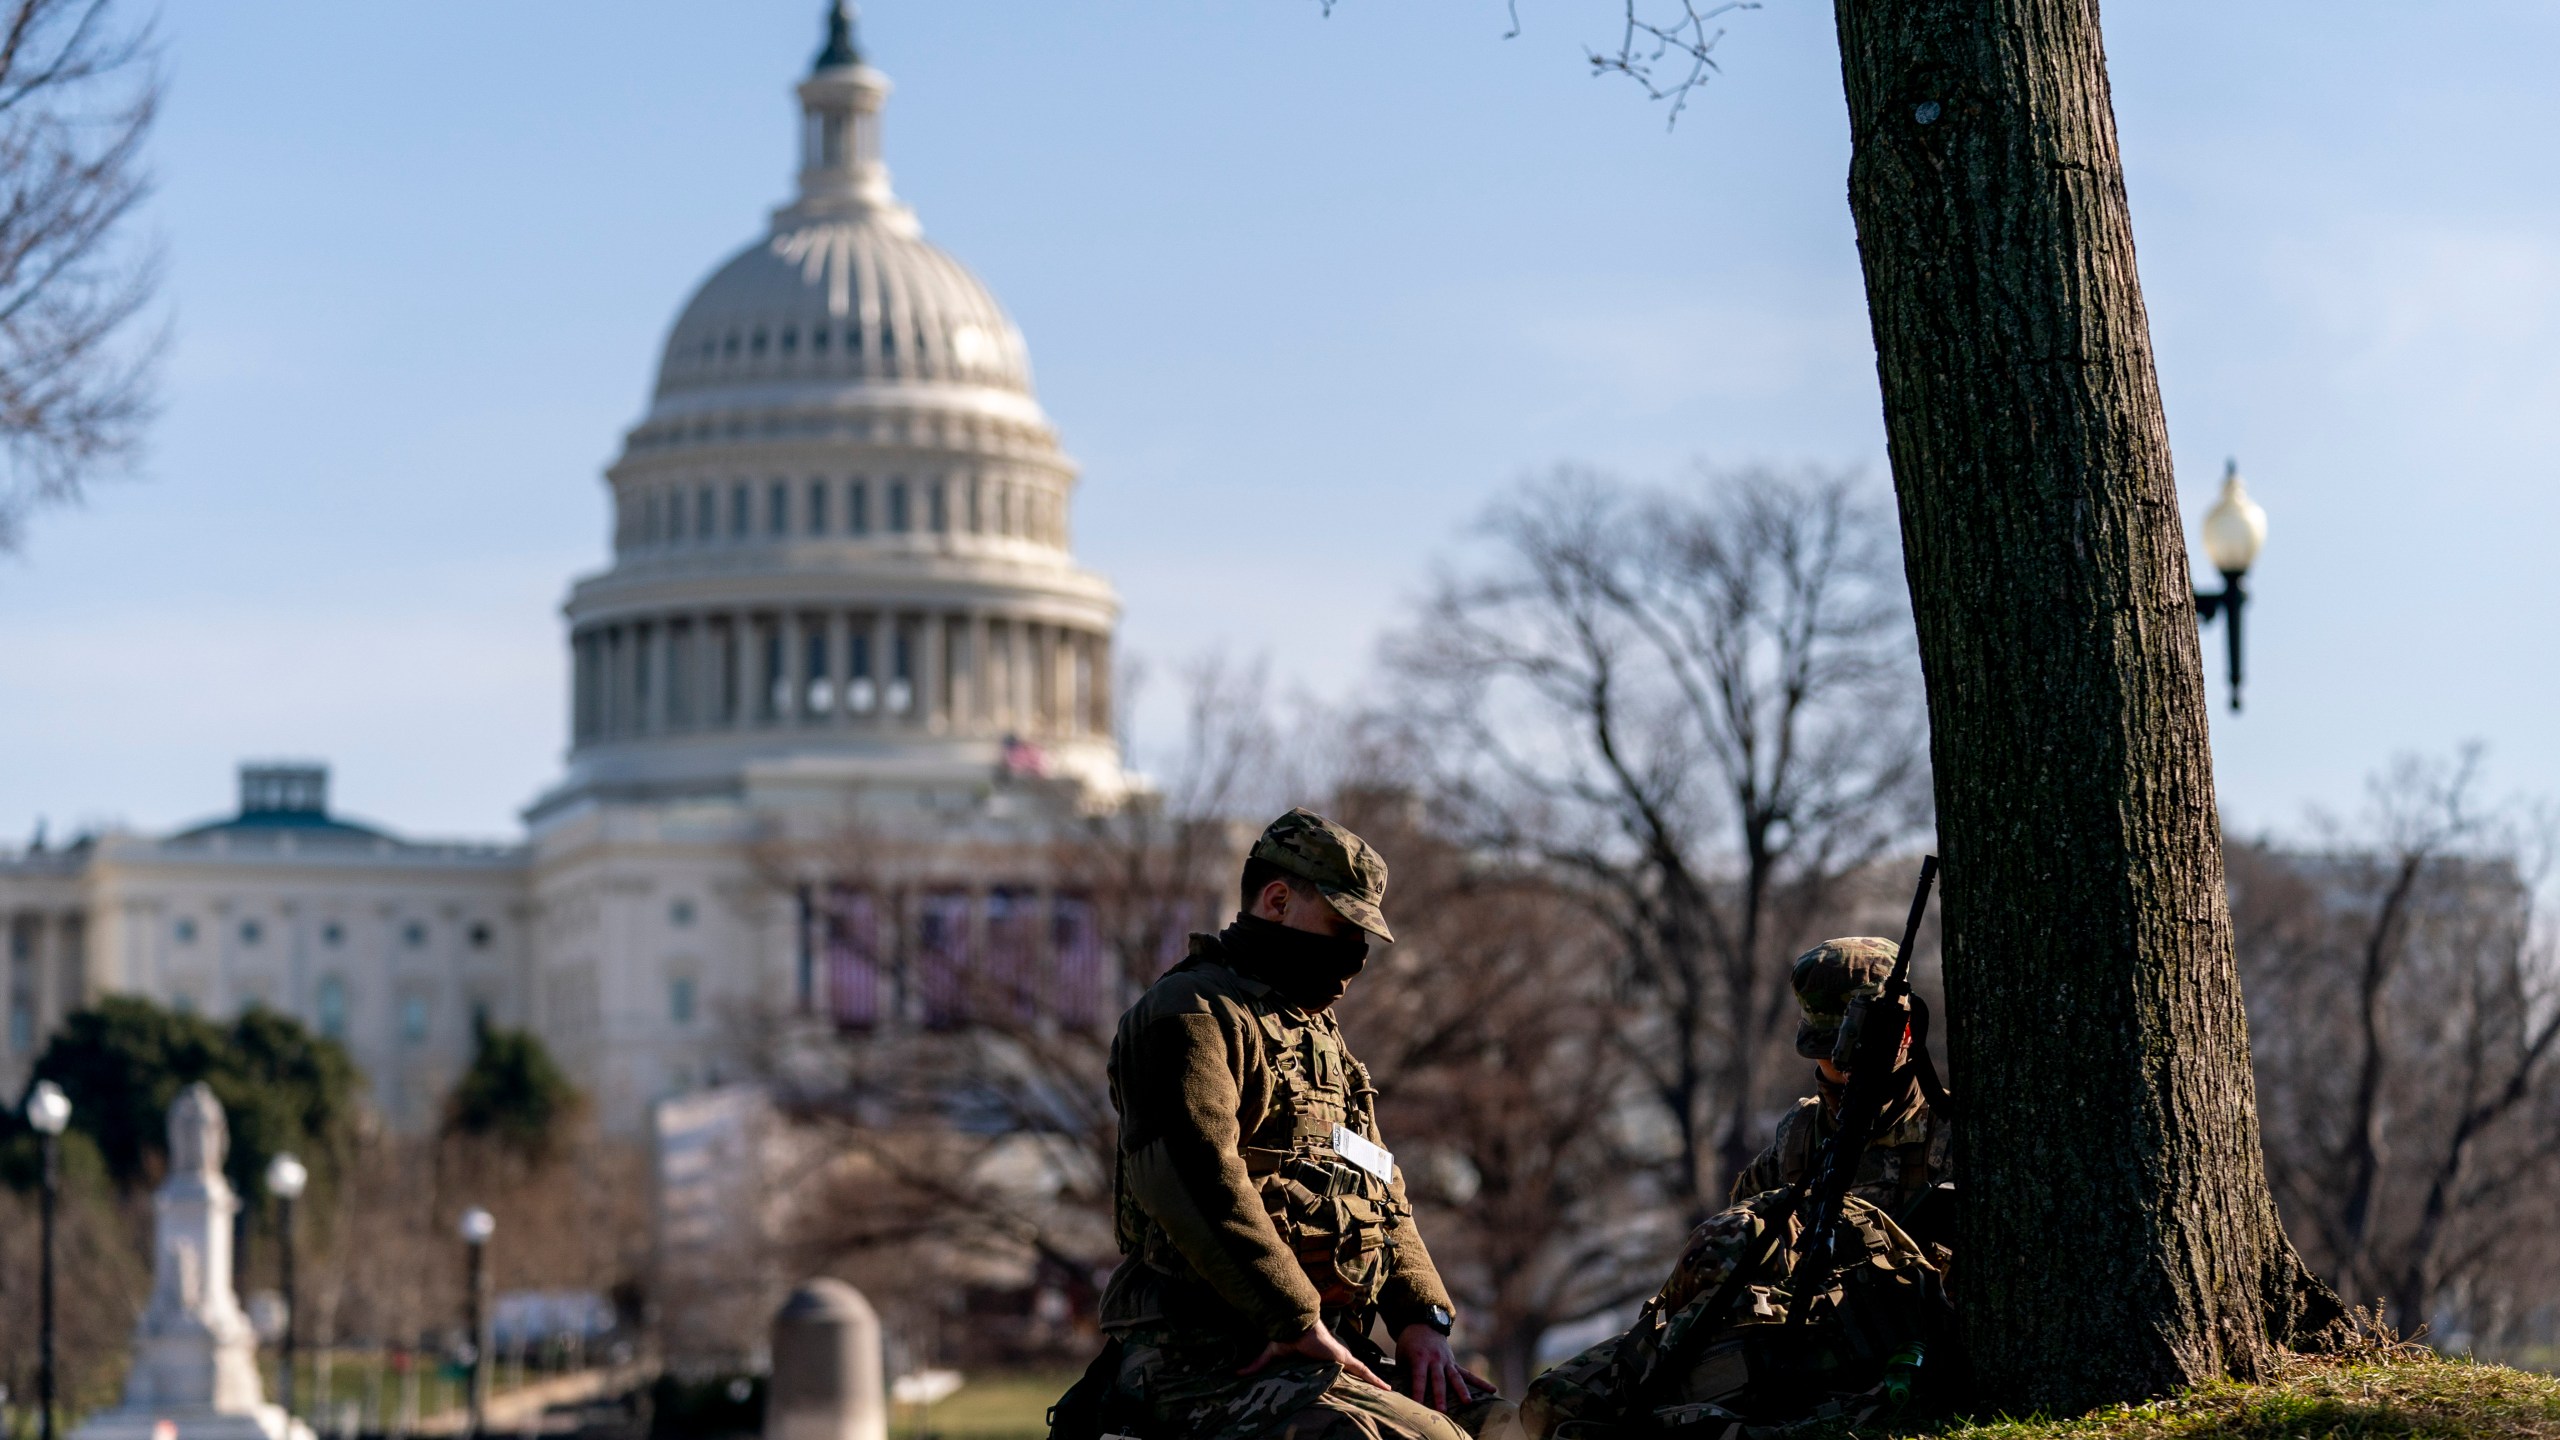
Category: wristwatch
[1439,1318]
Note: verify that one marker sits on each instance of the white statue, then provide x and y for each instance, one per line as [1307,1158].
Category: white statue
[195,1359]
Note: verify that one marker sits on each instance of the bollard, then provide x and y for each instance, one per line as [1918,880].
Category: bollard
[828,1375]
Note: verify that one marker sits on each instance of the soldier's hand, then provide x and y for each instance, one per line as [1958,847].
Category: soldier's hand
[1429,1366]
[1319,1345]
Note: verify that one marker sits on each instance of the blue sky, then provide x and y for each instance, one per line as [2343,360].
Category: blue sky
[1301,293]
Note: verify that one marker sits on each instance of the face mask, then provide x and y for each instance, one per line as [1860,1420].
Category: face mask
[1309,970]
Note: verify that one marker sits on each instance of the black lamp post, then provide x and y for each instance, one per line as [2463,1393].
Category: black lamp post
[2234,529]
[477,1226]
[49,1111]
[285,1179]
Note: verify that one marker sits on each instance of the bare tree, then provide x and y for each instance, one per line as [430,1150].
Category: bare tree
[78,93]
[1490,1030]
[967,1127]
[2405,1021]
[1696,710]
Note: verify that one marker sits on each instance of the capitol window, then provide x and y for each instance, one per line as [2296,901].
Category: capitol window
[818,340]
[413,1019]
[730,346]
[941,507]
[705,513]
[414,935]
[480,935]
[738,503]
[680,1000]
[332,1007]
[898,507]
[817,507]
[755,346]
[333,934]
[251,932]
[777,509]
[790,340]
[680,913]
[857,508]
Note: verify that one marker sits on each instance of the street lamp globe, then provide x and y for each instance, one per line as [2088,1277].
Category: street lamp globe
[478,1225]
[286,1176]
[2235,527]
[48,1109]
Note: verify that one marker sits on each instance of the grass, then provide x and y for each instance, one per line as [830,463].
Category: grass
[2377,1392]
[992,1406]
[2403,1393]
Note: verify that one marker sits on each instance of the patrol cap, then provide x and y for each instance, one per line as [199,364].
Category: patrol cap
[1830,975]
[1338,863]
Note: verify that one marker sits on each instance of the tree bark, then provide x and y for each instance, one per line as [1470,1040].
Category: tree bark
[2119,1236]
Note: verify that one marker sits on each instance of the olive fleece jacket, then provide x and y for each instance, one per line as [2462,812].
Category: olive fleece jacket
[1192,1076]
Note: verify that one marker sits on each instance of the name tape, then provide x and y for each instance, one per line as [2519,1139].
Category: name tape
[1364,1152]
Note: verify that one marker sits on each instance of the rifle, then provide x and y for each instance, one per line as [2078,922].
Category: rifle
[1871,1046]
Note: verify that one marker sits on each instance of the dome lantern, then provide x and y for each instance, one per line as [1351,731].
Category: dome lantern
[841,174]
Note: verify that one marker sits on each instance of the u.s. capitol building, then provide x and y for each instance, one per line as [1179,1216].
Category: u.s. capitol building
[835,696]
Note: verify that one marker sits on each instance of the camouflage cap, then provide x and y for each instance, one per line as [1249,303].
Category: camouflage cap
[1351,876]
[1830,975]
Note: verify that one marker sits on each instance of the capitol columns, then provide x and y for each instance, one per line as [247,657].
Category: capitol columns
[884,652]
[742,637]
[792,673]
[982,688]
[662,686]
[840,663]
[704,712]
[936,637]
[1102,686]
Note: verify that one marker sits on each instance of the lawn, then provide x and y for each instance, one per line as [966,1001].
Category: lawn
[991,1406]
[2415,1395]
[2401,1394]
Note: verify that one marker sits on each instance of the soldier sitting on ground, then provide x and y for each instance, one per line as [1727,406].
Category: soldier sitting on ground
[1262,1221]
[1706,1369]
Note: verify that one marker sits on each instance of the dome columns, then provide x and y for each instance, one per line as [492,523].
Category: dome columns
[959,672]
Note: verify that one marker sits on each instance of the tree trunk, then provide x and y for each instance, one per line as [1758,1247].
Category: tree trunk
[2119,1236]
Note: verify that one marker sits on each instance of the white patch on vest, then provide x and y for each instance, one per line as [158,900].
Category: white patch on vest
[1364,1152]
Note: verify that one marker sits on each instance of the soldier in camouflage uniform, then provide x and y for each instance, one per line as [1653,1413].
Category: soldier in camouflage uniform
[1754,1378]
[1262,1221]
[1913,1147]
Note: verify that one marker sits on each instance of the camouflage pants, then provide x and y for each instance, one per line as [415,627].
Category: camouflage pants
[1735,1382]
[1191,1391]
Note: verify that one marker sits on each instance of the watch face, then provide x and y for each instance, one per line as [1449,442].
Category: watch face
[1440,1317]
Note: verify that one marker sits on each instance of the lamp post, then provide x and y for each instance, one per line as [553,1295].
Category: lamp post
[2234,529]
[285,1179]
[49,1111]
[477,1226]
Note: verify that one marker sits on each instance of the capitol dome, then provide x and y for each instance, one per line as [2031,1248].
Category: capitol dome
[844,301]
[841,540]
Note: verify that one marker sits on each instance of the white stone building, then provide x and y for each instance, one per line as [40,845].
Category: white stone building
[833,699]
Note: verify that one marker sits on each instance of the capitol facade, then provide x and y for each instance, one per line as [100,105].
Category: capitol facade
[838,701]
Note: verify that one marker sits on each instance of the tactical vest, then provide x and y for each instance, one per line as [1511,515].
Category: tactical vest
[1335,1216]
